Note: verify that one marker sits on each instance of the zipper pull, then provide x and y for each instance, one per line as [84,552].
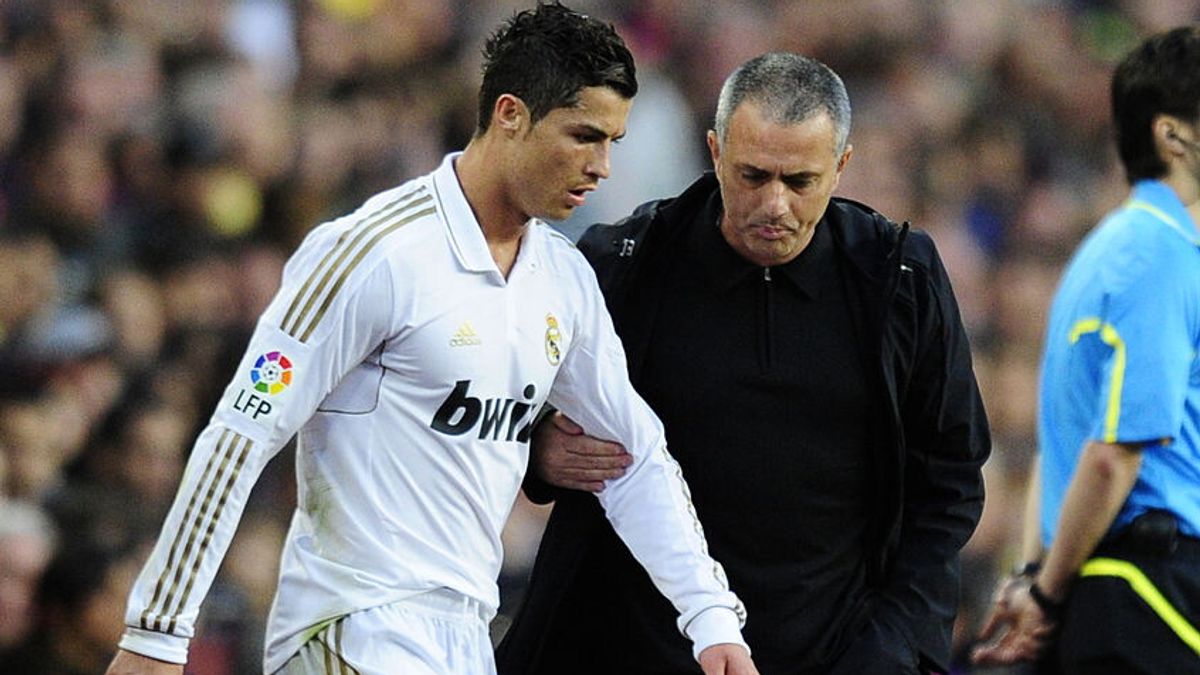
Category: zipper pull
[766,274]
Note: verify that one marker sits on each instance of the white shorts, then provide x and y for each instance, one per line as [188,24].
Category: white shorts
[440,632]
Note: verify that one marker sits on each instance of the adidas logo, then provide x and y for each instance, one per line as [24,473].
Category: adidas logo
[465,336]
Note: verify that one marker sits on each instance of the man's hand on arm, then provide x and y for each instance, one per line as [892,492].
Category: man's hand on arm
[129,663]
[565,457]
[727,659]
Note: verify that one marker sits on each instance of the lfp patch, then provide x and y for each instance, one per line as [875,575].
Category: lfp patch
[272,373]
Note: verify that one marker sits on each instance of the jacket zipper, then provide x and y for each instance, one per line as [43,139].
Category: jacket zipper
[768,324]
[893,262]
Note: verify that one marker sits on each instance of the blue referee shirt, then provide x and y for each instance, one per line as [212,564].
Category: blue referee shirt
[1120,363]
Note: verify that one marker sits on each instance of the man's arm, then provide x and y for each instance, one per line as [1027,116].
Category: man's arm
[947,441]
[565,457]
[300,350]
[649,507]
[1031,529]
[561,455]
[1101,484]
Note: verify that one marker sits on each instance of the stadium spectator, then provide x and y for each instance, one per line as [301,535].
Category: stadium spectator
[27,542]
[79,601]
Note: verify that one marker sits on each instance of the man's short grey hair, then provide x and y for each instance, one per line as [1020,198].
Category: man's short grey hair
[790,89]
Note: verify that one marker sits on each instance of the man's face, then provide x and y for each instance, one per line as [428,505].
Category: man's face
[776,180]
[562,157]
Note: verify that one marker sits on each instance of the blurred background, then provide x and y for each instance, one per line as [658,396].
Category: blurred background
[160,159]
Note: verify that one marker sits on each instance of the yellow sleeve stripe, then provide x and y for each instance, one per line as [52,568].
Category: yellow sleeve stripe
[1111,567]
[1110,337]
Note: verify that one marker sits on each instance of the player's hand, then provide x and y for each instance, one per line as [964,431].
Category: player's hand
[128,663]
[1016,629]
[727,659]
[565,457]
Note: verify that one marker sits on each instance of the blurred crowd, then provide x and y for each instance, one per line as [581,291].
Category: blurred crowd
[160,159]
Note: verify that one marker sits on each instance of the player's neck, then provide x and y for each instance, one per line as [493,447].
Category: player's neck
[486,189]
[487,193]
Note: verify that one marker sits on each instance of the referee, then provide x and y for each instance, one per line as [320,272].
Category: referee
[1118,589]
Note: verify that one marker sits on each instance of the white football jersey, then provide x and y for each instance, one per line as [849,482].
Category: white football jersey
[412,370]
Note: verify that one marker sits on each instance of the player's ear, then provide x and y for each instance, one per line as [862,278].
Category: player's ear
[510,114]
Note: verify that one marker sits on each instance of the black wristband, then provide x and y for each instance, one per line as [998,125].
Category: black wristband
[1052,609]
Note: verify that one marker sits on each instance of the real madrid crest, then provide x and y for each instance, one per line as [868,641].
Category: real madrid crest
[553,341]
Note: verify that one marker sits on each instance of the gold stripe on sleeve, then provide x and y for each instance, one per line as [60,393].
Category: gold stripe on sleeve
[343,250]
[187,516]
[212,526]
[366,222]
[194,530]
[303,337]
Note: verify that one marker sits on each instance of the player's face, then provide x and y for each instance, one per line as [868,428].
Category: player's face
[776,181]
[565,154]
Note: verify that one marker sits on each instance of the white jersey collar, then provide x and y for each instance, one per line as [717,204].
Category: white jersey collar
[466,234]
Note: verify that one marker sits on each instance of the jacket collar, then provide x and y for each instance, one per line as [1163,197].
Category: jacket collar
[867,239]
[810,272]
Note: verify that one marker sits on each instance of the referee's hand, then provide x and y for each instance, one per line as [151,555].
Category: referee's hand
[565,457]
[727,659]
[1016,630]
[128,663]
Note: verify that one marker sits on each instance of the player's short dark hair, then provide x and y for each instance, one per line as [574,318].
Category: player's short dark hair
[546,55]
[1160,76]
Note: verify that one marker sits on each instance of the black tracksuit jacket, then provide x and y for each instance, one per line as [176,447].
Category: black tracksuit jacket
[931,435]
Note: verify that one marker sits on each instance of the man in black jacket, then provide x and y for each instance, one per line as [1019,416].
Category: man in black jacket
[808,360]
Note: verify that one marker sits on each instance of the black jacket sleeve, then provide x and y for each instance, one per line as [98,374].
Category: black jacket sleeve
[946,443]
